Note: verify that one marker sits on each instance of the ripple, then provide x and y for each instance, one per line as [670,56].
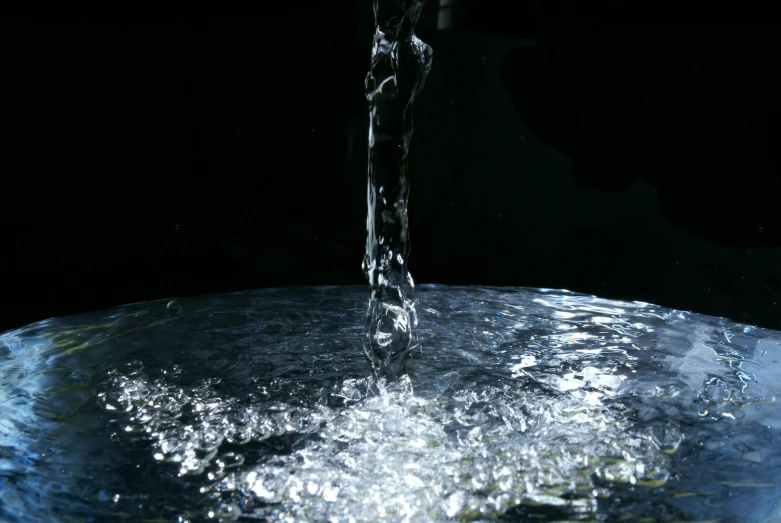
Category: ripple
[525,404]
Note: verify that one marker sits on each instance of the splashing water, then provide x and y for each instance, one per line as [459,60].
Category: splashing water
[400,63]
[529,404]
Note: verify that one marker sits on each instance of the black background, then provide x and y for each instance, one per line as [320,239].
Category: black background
[626,151]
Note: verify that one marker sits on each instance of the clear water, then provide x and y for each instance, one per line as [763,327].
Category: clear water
[527,404]
[400,63]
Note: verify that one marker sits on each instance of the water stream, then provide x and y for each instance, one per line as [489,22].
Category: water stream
[400,62]
[528,404]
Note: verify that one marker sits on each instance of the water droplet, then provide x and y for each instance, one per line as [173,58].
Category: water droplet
[173,307]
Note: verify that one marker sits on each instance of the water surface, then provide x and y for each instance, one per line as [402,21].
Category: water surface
[526,404]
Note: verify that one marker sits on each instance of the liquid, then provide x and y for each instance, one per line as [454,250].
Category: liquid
[528,404]
[400,63]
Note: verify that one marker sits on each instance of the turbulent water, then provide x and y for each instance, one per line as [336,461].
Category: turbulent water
[400,63]
[528,404]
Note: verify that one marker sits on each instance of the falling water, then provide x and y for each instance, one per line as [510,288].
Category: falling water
[532,404]
[399,66]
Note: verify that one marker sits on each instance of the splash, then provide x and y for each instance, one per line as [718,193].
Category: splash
[399,66]
[531,405]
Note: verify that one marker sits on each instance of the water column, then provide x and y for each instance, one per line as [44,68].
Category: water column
[400,62]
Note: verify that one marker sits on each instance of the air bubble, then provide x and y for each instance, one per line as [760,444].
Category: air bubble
[173,307]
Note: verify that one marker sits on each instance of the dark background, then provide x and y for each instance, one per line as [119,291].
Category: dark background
[630,151]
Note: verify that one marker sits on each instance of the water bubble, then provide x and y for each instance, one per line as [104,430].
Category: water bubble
[716,394]
[173,307]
